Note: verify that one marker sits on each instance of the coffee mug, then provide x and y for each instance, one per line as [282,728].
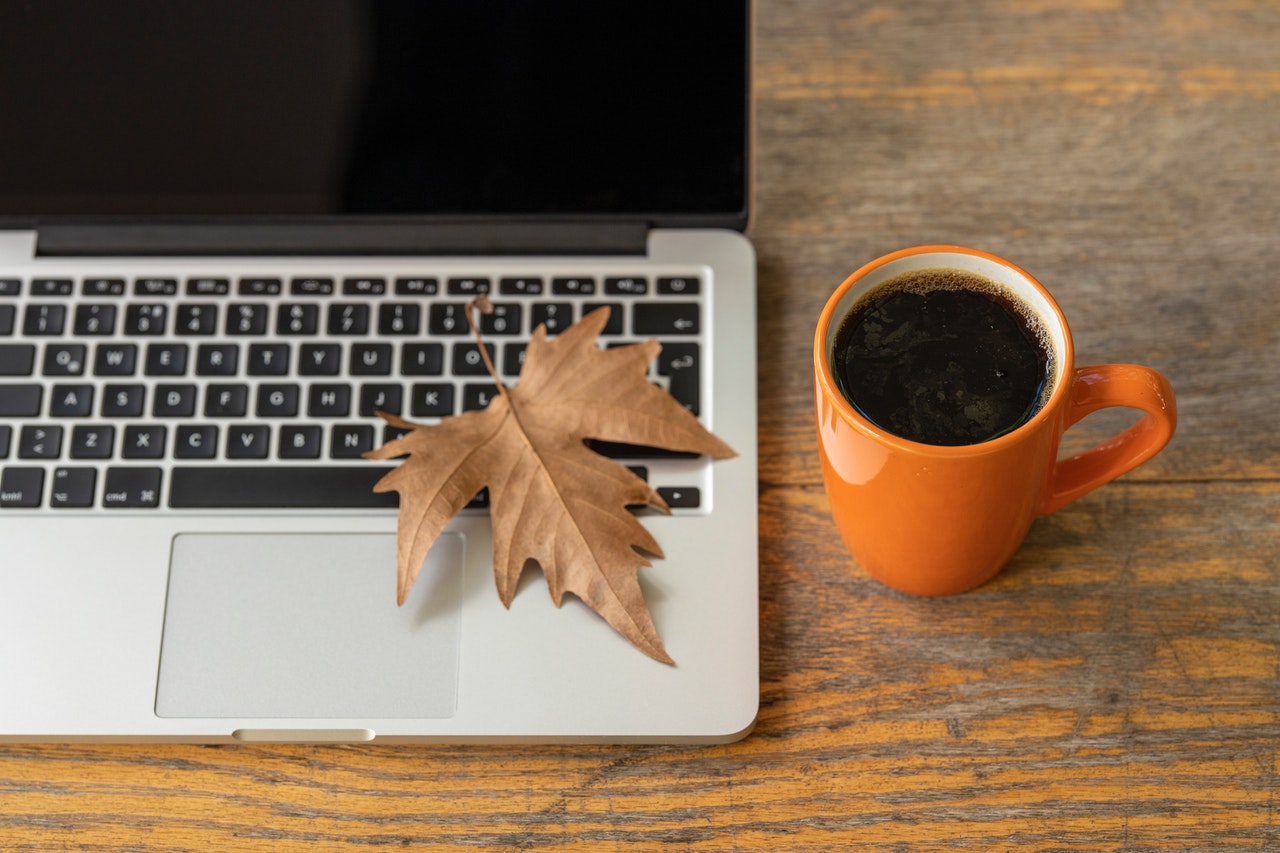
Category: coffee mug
[939,519]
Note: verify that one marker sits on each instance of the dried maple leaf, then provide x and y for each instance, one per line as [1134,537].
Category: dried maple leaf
[553,500]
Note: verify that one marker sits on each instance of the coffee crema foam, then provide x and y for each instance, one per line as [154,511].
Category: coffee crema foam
[945,356]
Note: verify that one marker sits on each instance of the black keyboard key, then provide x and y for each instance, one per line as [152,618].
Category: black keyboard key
[72,488]
[71,401]
[64,359]
[364,286]
[217,359]
[348,319]
[299,441]
[208,287]
[679,286]
[399,318]
[20,401]
[556,316]
[10,287]
[94,319]
[40,442]
[102,287]
[614,324]
[370,360]
[122,401]
[131,488]
[667,318]
[311,287]
[298,318]
[619,450]
[196,318]
[44,320]
[504,320]
[681,362]
[681,497]
[17,359]
[468,286]
[145,318]
[6,433]
[195,441]
[247,318]
[51,287]
[320,359]
[379,397]
[573,286]
[277,401]
[477,396]
[268,359]
[626,286]
[329,400]
[174,401]
[350,441]
[520,286]
[391,433]
[259,287]
[92,441]
[448,318]
[143,441]
[422,359]
[248,441]
[226,400]
[431,400]
[21,487]
[279,486]
[417,286]
[513,358]
[467,360]
[166,360]
[7,313]
[115,359]
[155,287]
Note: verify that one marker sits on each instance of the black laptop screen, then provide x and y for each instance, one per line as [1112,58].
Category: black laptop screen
[210,109]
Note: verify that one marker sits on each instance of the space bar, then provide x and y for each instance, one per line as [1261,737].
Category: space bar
[279,487]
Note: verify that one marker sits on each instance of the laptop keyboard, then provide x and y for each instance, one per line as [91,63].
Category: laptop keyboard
[240,392]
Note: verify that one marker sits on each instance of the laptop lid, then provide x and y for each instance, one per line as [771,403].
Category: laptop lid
[258,121]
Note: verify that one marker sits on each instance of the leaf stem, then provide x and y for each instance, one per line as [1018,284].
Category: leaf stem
[482,304]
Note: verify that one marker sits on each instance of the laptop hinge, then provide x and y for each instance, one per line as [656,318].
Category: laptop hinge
[345,238]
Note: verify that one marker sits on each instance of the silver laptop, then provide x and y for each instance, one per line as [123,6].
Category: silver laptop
[231,232]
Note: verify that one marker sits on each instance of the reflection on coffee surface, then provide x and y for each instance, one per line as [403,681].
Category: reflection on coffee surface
[944,357]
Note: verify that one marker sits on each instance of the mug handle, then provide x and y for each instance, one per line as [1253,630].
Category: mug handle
[1100,387]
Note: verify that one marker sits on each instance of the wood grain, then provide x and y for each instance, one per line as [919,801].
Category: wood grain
[1117,688]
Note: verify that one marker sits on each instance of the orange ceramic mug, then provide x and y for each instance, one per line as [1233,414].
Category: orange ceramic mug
[937,520]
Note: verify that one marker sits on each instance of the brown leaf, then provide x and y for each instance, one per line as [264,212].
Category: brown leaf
[553,500]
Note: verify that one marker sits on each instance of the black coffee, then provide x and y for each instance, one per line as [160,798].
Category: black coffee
[943,356]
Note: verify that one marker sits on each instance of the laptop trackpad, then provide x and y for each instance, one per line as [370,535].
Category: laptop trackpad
[306,626]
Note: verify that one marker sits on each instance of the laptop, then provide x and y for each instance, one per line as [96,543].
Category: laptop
[232,232]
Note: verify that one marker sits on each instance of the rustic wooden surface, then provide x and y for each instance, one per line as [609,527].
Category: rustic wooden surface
[1117,688]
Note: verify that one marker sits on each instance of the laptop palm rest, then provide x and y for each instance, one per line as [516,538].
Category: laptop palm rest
[306,626]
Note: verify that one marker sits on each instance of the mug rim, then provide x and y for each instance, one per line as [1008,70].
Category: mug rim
[829,389]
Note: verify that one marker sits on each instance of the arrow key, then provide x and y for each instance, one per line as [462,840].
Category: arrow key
[681,497]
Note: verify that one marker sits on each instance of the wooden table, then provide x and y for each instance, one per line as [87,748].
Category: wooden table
[1116,688]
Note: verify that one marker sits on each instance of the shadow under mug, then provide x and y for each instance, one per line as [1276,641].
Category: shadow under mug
[938,520]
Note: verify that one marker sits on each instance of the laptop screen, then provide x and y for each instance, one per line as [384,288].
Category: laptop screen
[146,108]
